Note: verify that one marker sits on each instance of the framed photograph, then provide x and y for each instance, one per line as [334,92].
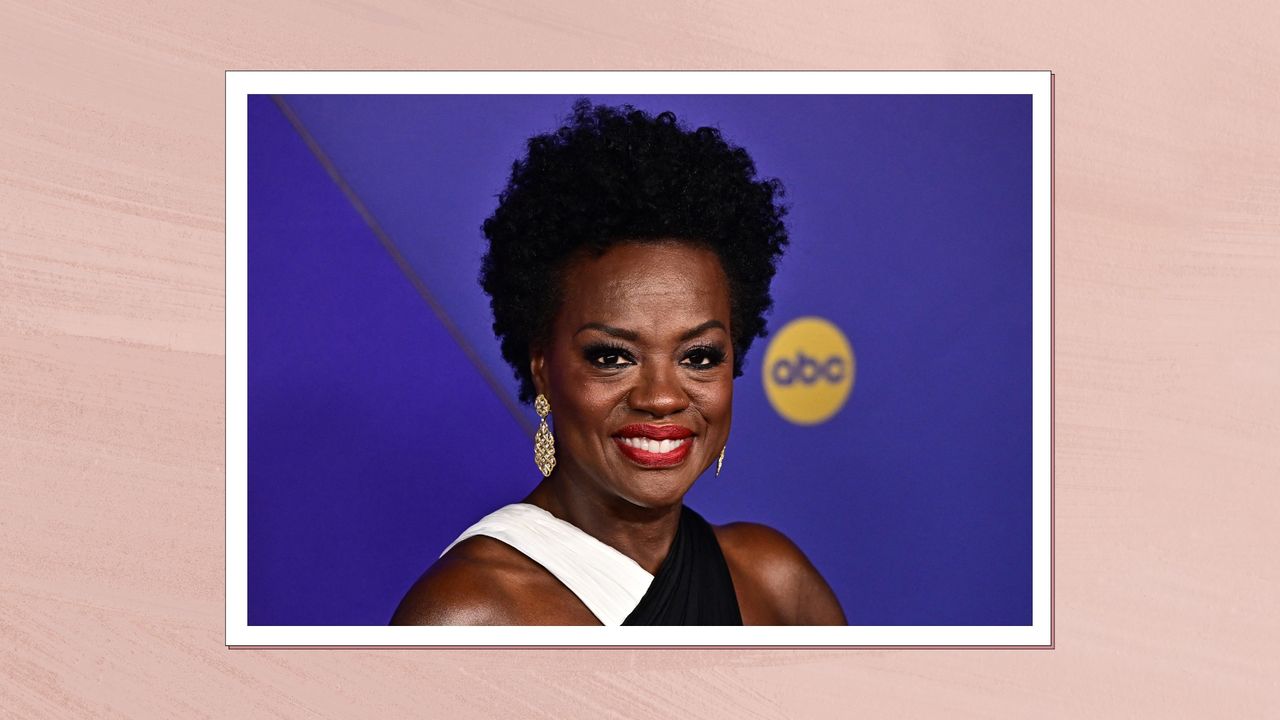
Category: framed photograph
[803,316]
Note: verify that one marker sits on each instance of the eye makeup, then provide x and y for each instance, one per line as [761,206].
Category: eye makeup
[616,355]
[703,357]
[609,355]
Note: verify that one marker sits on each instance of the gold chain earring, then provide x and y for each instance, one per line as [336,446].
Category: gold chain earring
[720,462]
[544,444]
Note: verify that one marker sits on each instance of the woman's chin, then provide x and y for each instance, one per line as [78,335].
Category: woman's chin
[655,489]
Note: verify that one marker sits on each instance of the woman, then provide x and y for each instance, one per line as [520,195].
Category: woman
[628,269]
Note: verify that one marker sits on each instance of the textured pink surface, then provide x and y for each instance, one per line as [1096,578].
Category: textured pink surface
[111,360]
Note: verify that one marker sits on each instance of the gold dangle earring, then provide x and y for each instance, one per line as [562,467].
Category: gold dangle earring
[544,445]
[720,462]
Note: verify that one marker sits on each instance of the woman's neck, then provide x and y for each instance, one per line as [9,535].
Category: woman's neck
[642,534]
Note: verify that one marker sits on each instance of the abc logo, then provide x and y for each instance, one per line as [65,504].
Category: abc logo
[808,371]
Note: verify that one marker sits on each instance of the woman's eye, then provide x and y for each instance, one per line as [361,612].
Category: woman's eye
[608,357]
[706,358]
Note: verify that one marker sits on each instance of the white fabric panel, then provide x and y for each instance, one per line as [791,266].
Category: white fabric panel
[609,583]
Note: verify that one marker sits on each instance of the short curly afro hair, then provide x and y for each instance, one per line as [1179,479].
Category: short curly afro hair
[618,174]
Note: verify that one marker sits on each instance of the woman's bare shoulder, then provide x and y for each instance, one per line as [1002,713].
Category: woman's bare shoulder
[775,581]
[484,581]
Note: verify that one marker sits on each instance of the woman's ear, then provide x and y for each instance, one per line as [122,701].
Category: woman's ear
[538,370]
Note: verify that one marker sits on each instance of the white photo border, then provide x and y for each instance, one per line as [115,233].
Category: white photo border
[241,84]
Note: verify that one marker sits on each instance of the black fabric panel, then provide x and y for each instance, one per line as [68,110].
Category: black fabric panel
[693,586]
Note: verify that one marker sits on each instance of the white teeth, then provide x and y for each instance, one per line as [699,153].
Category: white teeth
[660,447]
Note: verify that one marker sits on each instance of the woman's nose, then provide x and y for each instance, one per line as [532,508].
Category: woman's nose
[659,391]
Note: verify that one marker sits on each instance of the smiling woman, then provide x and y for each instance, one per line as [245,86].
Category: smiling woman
[629,267]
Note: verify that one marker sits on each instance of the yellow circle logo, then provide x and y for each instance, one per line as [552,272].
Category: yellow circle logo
[808,371]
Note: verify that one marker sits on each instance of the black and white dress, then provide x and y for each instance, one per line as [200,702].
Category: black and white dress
[693,586]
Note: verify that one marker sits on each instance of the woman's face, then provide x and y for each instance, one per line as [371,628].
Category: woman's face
[639,371]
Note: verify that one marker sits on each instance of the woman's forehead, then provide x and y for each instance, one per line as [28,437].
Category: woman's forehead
[647,283]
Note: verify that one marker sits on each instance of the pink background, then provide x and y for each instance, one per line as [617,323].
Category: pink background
[111,360]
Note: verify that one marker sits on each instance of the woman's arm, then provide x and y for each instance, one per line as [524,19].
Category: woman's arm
[483,581]
[454,591]
[775,582]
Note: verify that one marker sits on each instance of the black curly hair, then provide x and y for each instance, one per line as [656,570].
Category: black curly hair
[618,174]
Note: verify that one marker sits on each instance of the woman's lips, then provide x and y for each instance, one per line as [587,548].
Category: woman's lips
[655,445]
[654,453]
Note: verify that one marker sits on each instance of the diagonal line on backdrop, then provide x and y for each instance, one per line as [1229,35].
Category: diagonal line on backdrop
[511,405]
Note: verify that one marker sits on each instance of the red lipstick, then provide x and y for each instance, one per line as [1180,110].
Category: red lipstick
[655,432]
[654,446]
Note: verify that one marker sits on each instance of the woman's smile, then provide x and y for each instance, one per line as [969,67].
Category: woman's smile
[654,446]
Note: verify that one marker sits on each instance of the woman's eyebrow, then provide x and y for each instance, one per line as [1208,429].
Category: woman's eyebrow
[633,336]
[695,332]
[610,330]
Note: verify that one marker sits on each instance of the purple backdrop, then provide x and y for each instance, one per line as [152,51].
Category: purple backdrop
[374,439]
